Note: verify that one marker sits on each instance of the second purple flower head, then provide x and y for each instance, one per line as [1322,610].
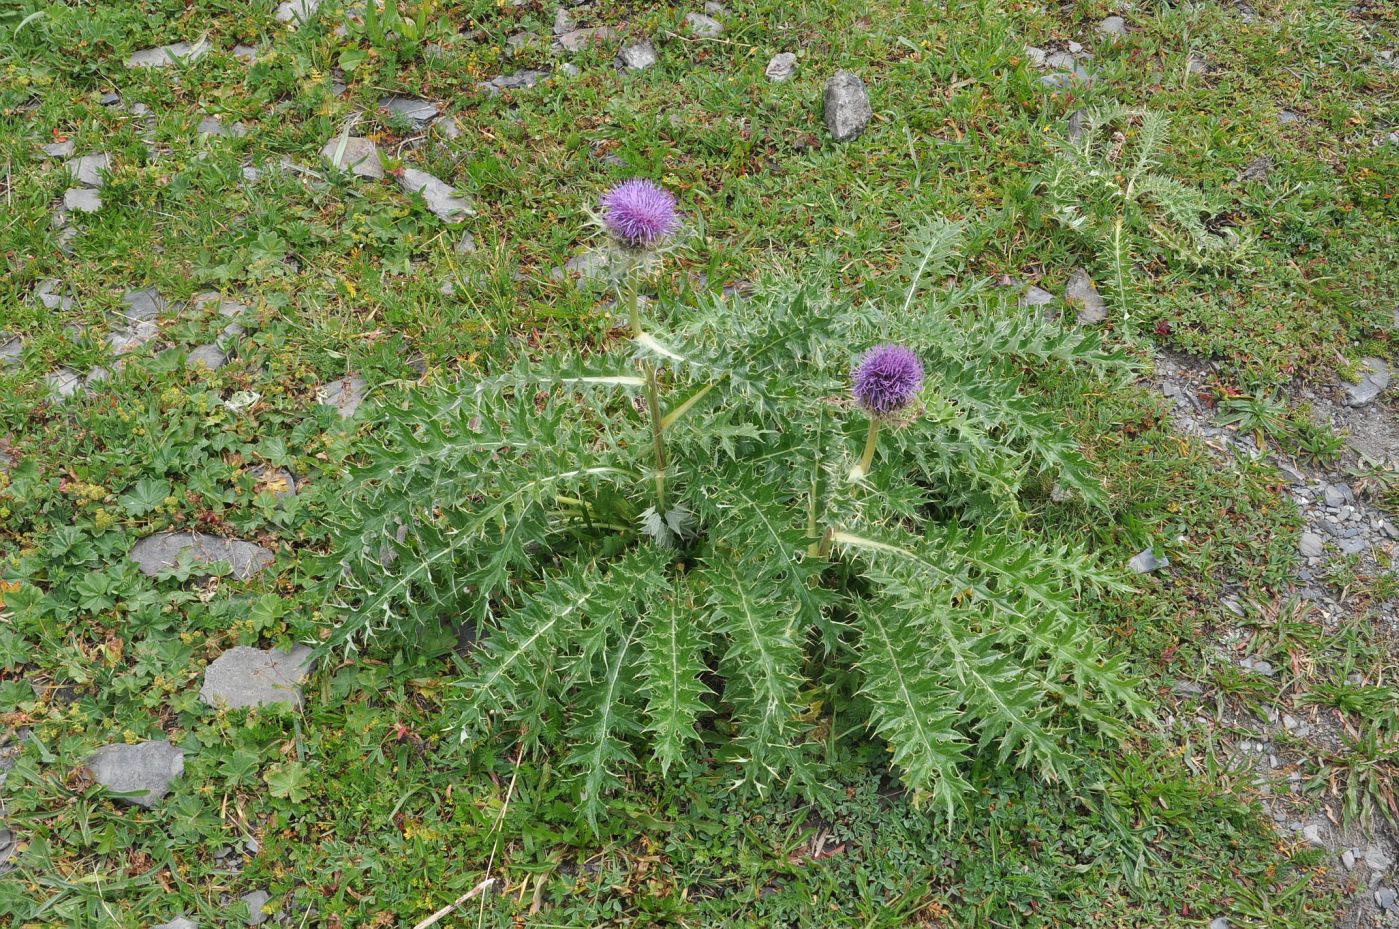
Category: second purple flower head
[887,378]
[640,213]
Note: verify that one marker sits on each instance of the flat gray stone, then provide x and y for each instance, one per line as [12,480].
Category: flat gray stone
[1036,296]
[62,149]
[1377,858]
[846,106]
[1080,292]
[1373,379]
[297,11]
[159,552]
[277,481]
[345,394]
[782,68]
[64,381]
[706,27]
[1113,26]
[579,39]
[440,196]
[51,295]
[166,55]
[360,156]
[637,56]
[418,111]
[10,349]
[142,772]
[212,126]
[256,901]
[82,200]
[1146,561]
[563,22]
[1287,117]
[1386,898]
[245,677]
[88,169]
[209,357]
[129,338]
[1219,922]
[142,305]
[519,79]
[179,922]
[1312,545]
[245,53]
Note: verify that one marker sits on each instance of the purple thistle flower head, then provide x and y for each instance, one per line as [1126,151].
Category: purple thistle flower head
[887,379]
[640,213]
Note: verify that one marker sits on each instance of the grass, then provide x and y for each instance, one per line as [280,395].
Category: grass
[360,807]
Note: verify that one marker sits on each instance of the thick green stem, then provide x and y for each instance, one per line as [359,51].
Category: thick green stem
[858,472]
[653,401]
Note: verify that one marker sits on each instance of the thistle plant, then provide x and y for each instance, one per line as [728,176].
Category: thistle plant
[1105,185]
[706,542]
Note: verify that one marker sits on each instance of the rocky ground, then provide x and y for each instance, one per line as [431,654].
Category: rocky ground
[1278,740]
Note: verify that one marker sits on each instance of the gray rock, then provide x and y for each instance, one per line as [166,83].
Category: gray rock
[1374,378]
[129,338]
[276,481]
[58,149]
[846,106]
[1287,117]
[179,922]
[1377,858]
[165,55]
[210,357]
[51,295]
[1312,834]
[1387,528]
[255,902]
[563,22]
[514,81]
[245,53]
[297,11]
[244,677]
[440,196]
[10,349]
[1385,898]
[782,67]
[142,772]
[64,381]
[1256,170]
[1258,666]
[419,112]
[594,264]
[579,39]
[704,26]
[1348,859]
[142,305]
[1077,74]
[1219,922]
[1113,26]
[359,156]
[88,169]
[638,56]
[1146,561]
[467,245]
[82,200]
[1035,296]
[1080,292]
[1338,494]
[156,553]
[345,394]
[213,126]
